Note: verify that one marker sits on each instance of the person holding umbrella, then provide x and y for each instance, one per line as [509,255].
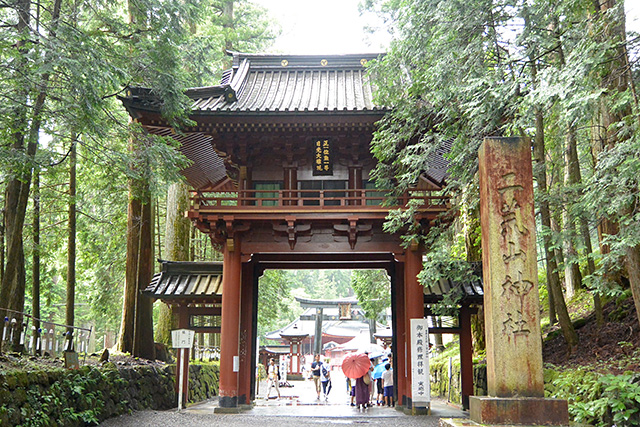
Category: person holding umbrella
[356,366]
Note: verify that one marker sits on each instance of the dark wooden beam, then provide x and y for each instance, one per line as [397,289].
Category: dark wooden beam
[206,329]
[206,311]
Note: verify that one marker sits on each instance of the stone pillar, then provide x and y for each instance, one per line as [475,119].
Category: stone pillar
[230,323]
[317,338]
[509,257]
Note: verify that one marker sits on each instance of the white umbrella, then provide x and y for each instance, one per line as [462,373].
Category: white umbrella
[374,350]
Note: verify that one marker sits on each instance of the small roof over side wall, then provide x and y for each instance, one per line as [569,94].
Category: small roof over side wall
[185,282]
[472,290]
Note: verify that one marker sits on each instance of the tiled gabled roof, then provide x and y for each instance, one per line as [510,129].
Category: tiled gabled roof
[201,281]
[290,84]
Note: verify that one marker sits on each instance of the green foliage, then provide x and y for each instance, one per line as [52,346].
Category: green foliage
[599,400]
[373,289]
[90,395]
[98,50]
[275,302]
[445,260]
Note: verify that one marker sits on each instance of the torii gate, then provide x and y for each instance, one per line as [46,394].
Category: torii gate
[343,305]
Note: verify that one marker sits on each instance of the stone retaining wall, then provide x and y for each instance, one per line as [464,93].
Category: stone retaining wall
[90,395]
[440,380]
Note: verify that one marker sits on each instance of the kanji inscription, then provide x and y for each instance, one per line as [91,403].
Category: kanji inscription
[509,263]
[515,286]
[322,163]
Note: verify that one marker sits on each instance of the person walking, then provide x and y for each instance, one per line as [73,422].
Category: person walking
[325,380]
[272,378]
[362,391]
[387,380]
[377,378]
[315,372]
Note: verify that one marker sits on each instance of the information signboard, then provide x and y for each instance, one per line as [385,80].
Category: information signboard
[420,385]
[182,338]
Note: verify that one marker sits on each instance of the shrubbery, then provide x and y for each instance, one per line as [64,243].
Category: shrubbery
[596,399]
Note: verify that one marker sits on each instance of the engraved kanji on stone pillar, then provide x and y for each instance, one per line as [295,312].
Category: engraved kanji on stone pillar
[514,349]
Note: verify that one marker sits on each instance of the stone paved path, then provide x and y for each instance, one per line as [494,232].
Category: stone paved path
[298,406]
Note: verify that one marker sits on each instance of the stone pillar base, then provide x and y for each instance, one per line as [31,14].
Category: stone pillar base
[519,411]
[228,402]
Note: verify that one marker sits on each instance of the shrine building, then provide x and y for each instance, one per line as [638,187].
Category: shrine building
[281,178]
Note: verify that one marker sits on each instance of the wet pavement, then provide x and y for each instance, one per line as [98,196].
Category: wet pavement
[298,405]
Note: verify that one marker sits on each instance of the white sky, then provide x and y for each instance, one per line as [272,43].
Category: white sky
[321,27]
[336,27]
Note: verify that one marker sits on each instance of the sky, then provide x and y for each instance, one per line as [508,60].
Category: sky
[322,27]
[336,26]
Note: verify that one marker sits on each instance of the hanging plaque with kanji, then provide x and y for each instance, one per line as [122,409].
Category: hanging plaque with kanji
[322,164]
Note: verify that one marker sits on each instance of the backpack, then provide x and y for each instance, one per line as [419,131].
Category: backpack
[324,372]
[278,371]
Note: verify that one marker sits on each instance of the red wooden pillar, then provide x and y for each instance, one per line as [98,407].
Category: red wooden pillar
[399,338]
[414,306]
[246,334]
[230,323]
[466,356]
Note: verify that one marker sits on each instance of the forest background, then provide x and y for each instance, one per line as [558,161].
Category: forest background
[562,73]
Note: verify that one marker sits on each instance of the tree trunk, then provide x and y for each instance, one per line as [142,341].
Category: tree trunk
[35,290]
[558,253]
[177,241]
[554,285]
[127,326]
[71,247]
[473,249]
[553,316]
[12,291]
[591,269]
[575,177]
[633,269]
[573,277]
[617,79]
[143,345]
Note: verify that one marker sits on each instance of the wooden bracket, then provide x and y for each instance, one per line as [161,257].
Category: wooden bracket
[293,231]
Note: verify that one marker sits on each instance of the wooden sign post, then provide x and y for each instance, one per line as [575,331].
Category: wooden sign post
[182,339]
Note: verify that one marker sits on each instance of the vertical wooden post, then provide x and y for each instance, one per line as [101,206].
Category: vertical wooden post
[399,336]
[246,334]
[230,323]
[414,309]
[466,356]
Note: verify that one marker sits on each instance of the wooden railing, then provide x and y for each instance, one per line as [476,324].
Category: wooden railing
[331,199]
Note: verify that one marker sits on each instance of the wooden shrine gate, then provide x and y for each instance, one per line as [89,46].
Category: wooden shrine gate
[281,180]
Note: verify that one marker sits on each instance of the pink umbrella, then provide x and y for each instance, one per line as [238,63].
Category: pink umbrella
[355,365]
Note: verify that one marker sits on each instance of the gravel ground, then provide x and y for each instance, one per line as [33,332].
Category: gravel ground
[185,419]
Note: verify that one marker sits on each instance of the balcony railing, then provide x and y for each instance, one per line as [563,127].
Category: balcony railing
[360,199]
